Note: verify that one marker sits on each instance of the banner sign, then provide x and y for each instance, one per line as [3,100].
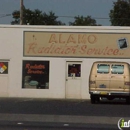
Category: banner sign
[66,44]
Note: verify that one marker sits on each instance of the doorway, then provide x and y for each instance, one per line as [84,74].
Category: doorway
[73,80]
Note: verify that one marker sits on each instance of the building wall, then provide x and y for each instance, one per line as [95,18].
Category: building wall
[11,51]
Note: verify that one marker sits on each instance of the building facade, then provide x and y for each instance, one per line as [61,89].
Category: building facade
[55,61]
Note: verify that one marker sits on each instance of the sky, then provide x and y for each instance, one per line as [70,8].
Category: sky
[65,9]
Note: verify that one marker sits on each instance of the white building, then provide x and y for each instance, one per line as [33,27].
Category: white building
[55,61]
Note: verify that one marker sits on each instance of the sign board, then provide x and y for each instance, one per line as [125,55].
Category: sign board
[66,44]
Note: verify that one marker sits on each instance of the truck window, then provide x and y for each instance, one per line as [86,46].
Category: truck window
[103,68]
[117,69]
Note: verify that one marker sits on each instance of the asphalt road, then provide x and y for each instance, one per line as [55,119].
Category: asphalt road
[51,128]
[54,126]
[29,113]
[64,107]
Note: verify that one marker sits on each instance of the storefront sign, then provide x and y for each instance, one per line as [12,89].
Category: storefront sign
[113,45]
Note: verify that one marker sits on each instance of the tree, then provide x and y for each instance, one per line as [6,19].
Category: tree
[36,17]
[51,19]
[120,14]
[83,21]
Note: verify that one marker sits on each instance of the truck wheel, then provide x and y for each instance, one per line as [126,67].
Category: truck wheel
[93,99]
[110,98]
[98,99]
[128,100]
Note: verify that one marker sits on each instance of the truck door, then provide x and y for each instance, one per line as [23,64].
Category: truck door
[103,78]
[117,78]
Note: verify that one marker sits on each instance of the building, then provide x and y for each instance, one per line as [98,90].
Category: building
[55,61]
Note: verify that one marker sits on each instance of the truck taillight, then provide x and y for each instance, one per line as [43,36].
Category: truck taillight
[92,82]
[127,83]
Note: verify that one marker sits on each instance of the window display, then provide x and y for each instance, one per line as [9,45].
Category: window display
[35,74]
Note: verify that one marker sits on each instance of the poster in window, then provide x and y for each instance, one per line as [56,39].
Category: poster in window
[35,74]
[3,67]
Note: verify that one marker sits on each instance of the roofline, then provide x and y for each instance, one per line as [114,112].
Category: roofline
[65,27]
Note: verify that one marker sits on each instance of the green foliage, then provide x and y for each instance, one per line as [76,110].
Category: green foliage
[120,14]
[51,19]
[33,17]
[16,15]
[36,17]
[84,21]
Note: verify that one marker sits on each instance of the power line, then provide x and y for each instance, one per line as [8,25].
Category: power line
[5,15]
[65,16]
[77,16]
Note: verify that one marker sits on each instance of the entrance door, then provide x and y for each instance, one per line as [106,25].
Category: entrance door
[117,78]
[73,80]
[103,77]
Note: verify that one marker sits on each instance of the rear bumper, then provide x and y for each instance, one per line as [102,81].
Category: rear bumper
[110,93]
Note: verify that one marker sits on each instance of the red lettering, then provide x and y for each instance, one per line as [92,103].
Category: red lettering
[71,39]
[60,39]
[92,39]
[34,71]
[115,52]
[47,49]
[97,51]
[57,50]
[82,39]
[105,51]
[27,66]
[83,49]
[75,48]
[110,51]
[40,50]
[68,50]
[32,47]
[53,39]
[90,51]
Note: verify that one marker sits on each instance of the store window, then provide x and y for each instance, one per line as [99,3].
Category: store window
[35,74]
[3,67]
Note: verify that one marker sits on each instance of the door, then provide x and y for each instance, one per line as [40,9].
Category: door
[73,80]
[117,78]
[103,77]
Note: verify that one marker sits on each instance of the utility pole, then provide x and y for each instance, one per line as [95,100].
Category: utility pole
[21,12]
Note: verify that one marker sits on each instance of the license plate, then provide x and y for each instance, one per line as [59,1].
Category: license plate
[102,86]
[103,93]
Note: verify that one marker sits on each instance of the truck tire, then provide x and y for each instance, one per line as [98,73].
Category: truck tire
[98,99]
[128,100]
[93,99]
